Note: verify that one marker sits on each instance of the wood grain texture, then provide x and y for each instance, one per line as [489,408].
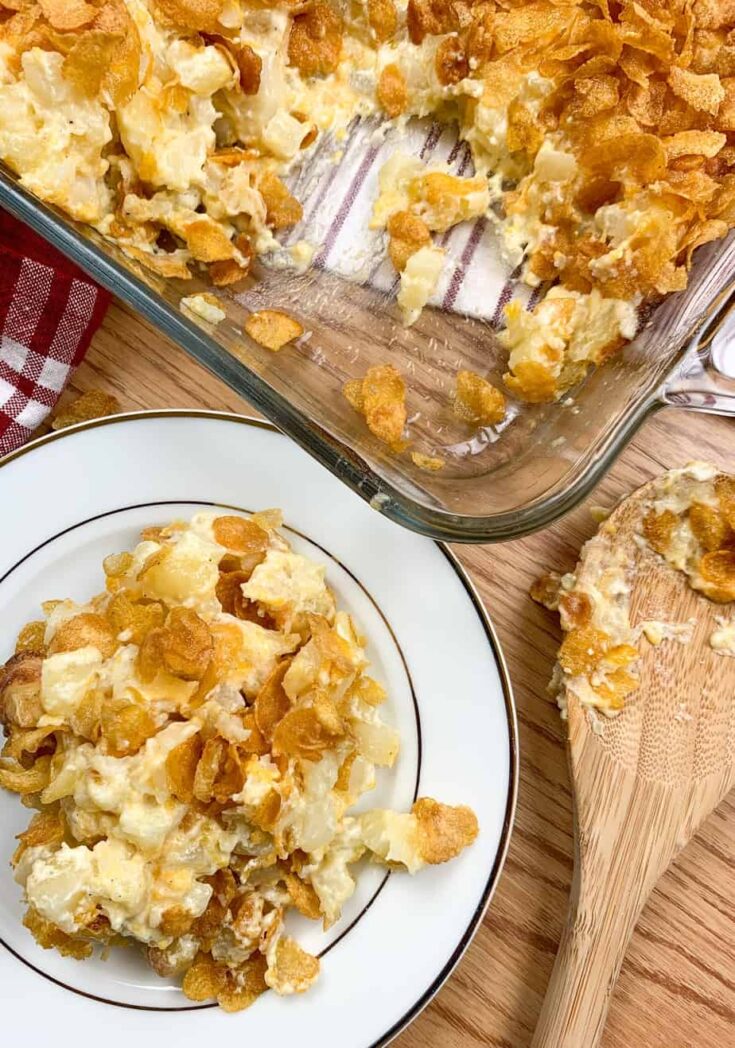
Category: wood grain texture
[644,781]
[677,984]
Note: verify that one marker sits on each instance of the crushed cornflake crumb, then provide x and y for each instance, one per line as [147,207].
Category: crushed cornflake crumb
[429,463]
[381,398]
[273,329]
[87,406]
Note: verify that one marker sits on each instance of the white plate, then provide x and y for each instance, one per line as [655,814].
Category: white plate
[71,498]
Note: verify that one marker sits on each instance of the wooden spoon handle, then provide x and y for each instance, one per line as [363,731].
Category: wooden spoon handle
[595,937]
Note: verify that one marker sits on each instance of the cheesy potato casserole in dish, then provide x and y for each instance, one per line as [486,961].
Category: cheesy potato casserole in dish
[601,136]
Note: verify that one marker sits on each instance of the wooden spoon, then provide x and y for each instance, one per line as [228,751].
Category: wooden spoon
[643,783]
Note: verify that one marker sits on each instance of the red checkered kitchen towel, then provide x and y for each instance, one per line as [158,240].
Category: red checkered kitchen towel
[49,311]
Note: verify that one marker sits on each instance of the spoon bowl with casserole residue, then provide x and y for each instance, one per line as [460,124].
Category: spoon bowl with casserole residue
[645,779]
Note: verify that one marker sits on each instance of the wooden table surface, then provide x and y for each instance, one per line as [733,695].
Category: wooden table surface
[677,986]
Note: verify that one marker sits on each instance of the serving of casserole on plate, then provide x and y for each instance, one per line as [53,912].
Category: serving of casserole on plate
[195,738]
[591,157]
[209,791]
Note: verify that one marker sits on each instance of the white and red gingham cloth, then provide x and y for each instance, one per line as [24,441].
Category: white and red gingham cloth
[49,311]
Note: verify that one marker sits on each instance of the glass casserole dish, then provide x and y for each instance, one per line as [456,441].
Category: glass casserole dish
[496,485]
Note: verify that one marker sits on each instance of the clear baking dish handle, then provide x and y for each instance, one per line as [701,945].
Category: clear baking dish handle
[704,378]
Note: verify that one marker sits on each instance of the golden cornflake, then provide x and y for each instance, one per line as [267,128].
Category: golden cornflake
[229,594]
[240,536]
[208,768]
[117,565]
[272,703]
[575,608]
[200,15]
[81,631]
[294,970]
[430,463]
[369,691]
[268,519]
[243,985]
[250,65]
[302,733]
[31,741]
[20,690]
[92,404]
[614,687]
[658,529]
[407,234]
[134,619]
[207,241]
[32,637]
[315,42]
[701,91]
[582,650]
[392,91]
[708,526]
[444,831]
[68,14]
[204,980]
[303,896]
[382,18]
[228,271]
[477,401]
[181,767]
[14,777]
[186,644]
[694,143]
[86,720]
[46,828]
[48,936]
[429,18]
[725,492]
[175,921]
[717,569]
[451,61]
[125,726]
[105,56]
[381,398]
[532,381]
[546,590]
[273,329]
[282,209]
[165,265]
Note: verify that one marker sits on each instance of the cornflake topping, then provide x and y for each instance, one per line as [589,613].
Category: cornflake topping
[381,397]
[273,329]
